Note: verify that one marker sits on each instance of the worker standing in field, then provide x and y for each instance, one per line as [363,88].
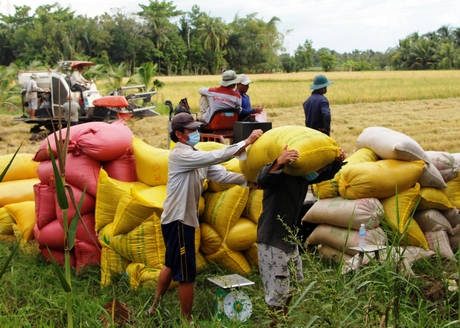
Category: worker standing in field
[31,94]
[316,107]
[187,169]
[280,264]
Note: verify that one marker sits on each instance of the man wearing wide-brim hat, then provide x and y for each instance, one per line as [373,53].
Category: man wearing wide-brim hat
[218,98]
[316,107]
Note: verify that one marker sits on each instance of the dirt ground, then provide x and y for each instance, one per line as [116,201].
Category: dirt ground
[434,124]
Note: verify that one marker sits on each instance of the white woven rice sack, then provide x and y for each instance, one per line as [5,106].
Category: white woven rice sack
[445,163]
[432,220]
[341,212]
[389,144]
[431,177]
[438,242]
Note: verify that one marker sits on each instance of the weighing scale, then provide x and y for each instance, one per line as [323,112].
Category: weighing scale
[230,301]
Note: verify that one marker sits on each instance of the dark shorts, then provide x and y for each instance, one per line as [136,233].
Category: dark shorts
[180,250]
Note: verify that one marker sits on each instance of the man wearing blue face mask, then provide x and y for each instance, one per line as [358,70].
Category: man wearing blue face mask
[279,260]
[187,169]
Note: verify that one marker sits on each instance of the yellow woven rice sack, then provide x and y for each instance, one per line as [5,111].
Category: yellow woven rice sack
[453,191]
[433,198]
[223,209]
[136,206]
[139,275]
[254,205]
[17,191]
[23,167]
[105,234]
[210,239]
[24,216]
[6,220]
[398,210]
[151,163]
[242,235]
[112,265]
[209,146]
[144,244]
[232,261]
[217,186]
[316,151]
[330,188]
[327,188]
[252,255]
[201,262]
[109,192]
[343,238]
[232,165]
[378,179]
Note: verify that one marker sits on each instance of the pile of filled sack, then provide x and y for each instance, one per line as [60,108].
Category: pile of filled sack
[121,183]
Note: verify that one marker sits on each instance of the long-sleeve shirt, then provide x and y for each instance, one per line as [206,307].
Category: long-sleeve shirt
[283,199]
[77,78]
[31,90]
[187,169]
[219,98]
[246,108]
[317,113]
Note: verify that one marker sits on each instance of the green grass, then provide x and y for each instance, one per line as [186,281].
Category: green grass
[31,296]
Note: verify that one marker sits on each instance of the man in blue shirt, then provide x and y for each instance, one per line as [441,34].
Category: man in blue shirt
[246,109]
[316,107]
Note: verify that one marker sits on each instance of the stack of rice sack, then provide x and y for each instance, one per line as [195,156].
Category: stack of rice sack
[395,177]
[17,203]
[91,146]
[128,219]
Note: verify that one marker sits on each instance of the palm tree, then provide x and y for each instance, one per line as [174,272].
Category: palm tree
[212,33]
[145,75]
[445,32]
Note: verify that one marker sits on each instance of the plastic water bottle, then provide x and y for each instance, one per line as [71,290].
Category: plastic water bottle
[362,236]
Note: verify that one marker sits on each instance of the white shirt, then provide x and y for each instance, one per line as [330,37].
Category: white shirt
[187,169]
[77,78]
[31,90]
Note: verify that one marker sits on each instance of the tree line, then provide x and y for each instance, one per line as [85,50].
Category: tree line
[193,42]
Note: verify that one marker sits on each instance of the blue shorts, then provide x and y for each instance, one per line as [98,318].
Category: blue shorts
[180,250]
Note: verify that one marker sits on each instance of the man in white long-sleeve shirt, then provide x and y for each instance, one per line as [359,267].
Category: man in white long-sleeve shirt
[187,169]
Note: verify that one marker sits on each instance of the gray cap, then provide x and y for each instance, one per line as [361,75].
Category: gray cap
[34,76]
[184,120]
[228,78]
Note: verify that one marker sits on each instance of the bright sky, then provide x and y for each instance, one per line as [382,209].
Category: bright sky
[339,25]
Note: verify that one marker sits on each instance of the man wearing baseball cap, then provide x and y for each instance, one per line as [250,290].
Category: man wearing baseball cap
[218,98]
[31,94]
[187,169]
[316,107]
[246,108]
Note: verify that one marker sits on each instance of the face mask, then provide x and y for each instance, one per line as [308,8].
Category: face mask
[193,138]
[311,176]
